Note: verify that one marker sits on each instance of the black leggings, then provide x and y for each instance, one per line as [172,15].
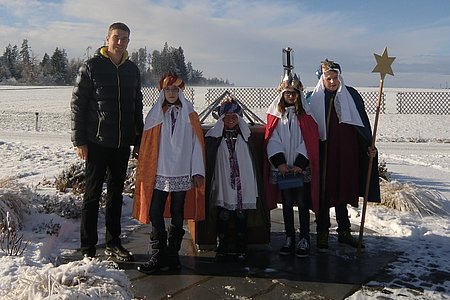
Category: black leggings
[176,209]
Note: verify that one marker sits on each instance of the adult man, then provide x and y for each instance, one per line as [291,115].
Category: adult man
[345,135]
[106,120]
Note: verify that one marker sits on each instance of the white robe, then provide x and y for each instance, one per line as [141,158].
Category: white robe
[345,107]
[225,195]
[287,137]
[180,152]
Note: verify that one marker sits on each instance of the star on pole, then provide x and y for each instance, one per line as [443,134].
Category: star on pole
[384,63]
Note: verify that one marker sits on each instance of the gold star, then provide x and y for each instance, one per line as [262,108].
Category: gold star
[384,63]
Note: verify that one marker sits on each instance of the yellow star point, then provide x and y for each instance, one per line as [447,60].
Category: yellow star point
[384,63]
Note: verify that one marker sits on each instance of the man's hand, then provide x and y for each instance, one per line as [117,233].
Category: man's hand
[135,152]
[82,152]
[372,152]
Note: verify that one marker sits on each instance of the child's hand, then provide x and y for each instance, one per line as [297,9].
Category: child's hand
[198,180]
[283,168]
[296,170]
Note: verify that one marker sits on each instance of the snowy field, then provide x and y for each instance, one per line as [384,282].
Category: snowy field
[35,148]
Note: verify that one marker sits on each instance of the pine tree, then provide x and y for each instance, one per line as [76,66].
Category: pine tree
[59,63]
[25,64]
[9,63]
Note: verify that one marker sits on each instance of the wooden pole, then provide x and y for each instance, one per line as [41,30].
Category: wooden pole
[369,168]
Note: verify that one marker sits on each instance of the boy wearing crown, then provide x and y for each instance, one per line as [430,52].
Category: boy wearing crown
[231,178]
[292,147]
[345,147]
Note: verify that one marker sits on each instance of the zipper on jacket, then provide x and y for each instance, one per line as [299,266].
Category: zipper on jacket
[98,125]
[119,110]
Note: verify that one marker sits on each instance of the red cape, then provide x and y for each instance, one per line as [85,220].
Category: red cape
[310,134]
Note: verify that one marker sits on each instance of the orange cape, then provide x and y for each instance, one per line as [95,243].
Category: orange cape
[194,205]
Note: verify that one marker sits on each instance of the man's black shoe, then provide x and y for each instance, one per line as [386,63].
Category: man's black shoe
[119,252]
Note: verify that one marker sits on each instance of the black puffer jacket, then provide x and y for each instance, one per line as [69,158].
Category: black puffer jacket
[107,103]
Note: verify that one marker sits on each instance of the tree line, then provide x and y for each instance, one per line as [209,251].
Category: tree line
[18,65]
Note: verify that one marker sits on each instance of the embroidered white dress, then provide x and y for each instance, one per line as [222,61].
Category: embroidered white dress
[180,151]
[225,194]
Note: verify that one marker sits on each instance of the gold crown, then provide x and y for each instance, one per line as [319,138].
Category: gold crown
[329,65]
[290,81]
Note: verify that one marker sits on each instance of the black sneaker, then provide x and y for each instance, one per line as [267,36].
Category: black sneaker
[288,247]
[89,252]
[322,241]
[346,237]
[119,252]
[303,248]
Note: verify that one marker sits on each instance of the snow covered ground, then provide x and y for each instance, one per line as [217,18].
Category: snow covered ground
[416,149]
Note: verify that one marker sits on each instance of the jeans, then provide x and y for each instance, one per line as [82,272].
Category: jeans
[102,161]
[176,209]
[290,197]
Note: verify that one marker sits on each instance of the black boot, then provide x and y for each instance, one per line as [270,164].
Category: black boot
[222,234]
[241,247]
[158,254]
[345,237]
[175,239]
[241,238]
[222,248]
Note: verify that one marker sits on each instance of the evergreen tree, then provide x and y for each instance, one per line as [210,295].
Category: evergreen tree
[59,63]
[72,69]
[9,62]
[178,55]
[142,61]
[46,65]
[25,64]
[20,65]
[194,76]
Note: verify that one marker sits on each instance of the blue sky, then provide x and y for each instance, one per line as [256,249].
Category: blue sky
[242,40]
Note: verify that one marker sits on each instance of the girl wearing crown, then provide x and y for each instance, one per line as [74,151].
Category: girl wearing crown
[292,143]
[171,165]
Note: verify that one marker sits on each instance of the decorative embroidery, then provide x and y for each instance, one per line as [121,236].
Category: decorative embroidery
[173,115]
[173,184]
[235,179]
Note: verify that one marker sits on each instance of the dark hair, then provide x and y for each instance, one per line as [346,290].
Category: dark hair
[120,26]
[297,104]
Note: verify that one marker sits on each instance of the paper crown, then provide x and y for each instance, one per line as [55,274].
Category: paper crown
[169,79]
[326,66]
[290,81]
[229,105]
